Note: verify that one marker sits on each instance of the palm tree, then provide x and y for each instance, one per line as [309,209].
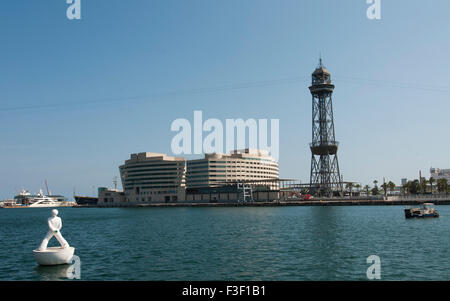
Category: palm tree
[349,186]
[358,187]
[414,186]
[385,187]
[431,180]
[391,186]
[366,188]
[423,185]
[442,185]
[375,188]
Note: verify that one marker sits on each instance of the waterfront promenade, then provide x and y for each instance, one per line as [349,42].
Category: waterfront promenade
[348,201]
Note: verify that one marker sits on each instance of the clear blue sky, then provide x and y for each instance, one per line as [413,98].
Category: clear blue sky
[391,125]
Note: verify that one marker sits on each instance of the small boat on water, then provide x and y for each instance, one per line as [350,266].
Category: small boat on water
[426,210]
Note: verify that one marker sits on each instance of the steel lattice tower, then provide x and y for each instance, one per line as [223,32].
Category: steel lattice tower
[325,177]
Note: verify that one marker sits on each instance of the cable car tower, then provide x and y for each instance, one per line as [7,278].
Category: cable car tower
[325,179]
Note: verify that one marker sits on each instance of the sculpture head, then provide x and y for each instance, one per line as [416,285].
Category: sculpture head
[54,212]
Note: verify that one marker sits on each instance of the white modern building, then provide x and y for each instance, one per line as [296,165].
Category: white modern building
[153,177]
[238,166]
[159,178]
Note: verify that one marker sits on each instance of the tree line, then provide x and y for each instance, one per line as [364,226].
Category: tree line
[422,186]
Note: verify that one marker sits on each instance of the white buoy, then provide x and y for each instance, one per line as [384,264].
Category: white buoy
[54,255]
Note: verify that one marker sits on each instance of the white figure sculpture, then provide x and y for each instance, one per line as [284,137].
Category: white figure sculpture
[54,225]
[54,255]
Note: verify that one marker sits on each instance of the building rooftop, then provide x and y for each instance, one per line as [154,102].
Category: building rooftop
[240,153]
[140,157]
[439,171]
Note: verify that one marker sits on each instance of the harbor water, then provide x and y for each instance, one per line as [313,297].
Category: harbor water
[231,243]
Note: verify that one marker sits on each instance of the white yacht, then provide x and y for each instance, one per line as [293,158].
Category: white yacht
[41,200]
[26,199]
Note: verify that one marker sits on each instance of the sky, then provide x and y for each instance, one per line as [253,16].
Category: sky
[77,97]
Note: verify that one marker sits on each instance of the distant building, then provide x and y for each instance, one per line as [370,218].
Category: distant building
[241,175]
[404,181]
[238,166]
[438,173]
[153,177]
[110,197]
[159,178]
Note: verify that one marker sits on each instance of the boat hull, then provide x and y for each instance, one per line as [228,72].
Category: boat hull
[49,205]
[86,200]
[415,213]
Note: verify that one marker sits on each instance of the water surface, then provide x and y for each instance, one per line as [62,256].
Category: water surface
[247,243]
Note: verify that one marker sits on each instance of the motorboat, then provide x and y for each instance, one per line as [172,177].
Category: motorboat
[426,210]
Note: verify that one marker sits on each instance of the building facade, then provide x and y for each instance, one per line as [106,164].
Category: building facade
[239,166]
[153,177]
[159,178]
[110,197]
[438,173]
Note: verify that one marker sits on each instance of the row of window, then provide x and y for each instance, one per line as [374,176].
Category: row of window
[127,179]
[131,187]
[173,169]
[247,163]
[190,180]
[259,175]
[132,166]
[233,174]
[167,198]
[231,167]
[252,170]
[156,192]
[206,181]
[233,162]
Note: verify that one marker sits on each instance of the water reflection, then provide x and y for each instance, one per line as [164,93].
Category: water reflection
[325,229]
[324,235]
[54,272]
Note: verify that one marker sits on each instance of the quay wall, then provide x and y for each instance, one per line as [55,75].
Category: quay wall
[316,202]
